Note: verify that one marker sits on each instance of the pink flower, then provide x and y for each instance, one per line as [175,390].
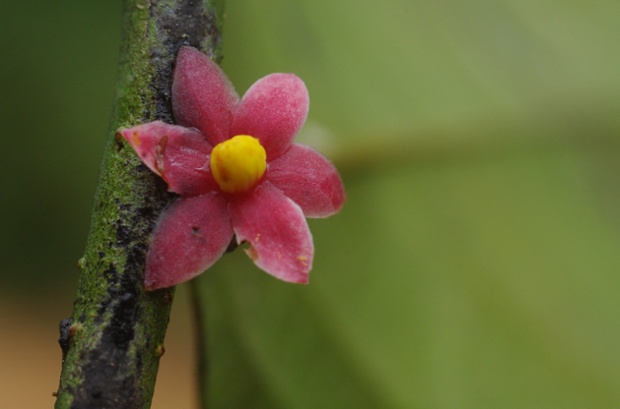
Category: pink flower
[237,173]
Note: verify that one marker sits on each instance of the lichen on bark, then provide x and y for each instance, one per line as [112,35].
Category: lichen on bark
[112,343]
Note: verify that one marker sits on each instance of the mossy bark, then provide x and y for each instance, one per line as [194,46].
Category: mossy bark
[114,339]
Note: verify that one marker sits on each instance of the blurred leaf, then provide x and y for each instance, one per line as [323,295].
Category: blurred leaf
[57,82]
[401,66]
[476,262]
[487,283]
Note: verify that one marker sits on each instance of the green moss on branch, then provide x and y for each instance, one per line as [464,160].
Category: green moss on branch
[114,339]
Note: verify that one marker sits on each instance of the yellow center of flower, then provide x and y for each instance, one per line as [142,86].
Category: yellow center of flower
[238,163]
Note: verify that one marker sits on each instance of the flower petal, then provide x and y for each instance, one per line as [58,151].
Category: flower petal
[202,95]
[309,179]
[179,155]
[273,110]
[190,236]
[275,228]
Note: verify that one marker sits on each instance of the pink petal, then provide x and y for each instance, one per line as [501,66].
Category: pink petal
[309,179]
[191,235]
[202,95]
[273,110]
[275,228]
[177,154]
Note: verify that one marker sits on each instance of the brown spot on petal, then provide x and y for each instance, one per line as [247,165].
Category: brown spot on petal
[252,253]
[159,154]
[135,137]
[303,260]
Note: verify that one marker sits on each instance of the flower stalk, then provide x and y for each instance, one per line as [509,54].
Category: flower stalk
[114,340]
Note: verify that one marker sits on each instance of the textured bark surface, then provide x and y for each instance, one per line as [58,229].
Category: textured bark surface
[112,343]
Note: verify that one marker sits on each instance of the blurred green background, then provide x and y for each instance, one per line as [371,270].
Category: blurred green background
[476,263]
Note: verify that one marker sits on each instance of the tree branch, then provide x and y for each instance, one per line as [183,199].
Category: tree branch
[113,342]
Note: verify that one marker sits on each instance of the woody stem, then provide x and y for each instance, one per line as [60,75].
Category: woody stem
[114,339]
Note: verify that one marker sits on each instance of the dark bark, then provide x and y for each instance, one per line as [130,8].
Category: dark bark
[113,341]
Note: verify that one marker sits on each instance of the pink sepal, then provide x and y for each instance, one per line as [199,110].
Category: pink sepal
[190,236]
[176,153]
[202,95]
[275,227]
[273,110]
[309,179]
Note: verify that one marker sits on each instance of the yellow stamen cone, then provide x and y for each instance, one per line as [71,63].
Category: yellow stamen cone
[238,163]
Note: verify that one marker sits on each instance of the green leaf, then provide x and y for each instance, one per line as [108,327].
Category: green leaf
[466,284]
[475,264]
